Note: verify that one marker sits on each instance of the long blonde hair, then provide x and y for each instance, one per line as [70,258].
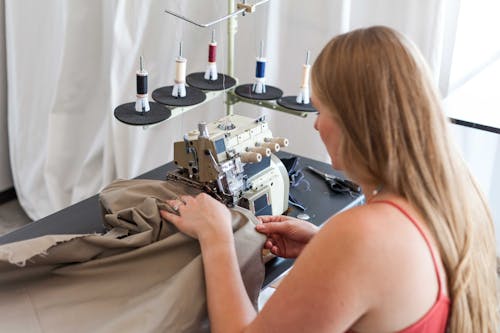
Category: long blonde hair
[378,88]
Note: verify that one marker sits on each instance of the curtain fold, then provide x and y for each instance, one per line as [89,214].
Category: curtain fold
[5,174]
[71,63]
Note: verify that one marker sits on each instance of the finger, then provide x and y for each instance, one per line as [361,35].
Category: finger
[208,200]
[186,198]
[268,244]
[276,251]
[273,227]
[272,218]
[174,203]
[173,218]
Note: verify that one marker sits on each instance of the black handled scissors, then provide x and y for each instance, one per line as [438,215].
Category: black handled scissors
[335,183]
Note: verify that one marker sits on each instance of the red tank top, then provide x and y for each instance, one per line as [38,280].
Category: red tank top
[434,321]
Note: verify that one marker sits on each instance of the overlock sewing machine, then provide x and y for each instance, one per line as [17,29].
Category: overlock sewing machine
[233,160]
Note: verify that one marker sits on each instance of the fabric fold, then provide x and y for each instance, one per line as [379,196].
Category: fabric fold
[142,275]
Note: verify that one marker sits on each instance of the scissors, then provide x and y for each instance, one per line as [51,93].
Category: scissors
[335,183]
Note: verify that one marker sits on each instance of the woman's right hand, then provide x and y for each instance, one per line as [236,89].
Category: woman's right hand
[286,236]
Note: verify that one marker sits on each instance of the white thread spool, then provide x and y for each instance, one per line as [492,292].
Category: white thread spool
[180,70]
[304,95]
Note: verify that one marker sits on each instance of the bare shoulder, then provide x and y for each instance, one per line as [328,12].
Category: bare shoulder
[332,283]
[389,260]
[360,229]
[378,237]
[358,273]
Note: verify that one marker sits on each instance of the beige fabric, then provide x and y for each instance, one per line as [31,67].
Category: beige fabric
[141,276]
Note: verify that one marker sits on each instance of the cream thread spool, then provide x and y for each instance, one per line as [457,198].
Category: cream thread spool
[179,89]
[250,157]
[304,95]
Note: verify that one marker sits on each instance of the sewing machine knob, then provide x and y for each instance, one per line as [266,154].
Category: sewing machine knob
[250,157]
[263,150]
[203,129]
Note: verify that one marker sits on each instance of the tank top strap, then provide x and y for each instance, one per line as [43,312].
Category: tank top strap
[405,213]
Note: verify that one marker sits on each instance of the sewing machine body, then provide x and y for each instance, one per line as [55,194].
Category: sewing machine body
[232,158]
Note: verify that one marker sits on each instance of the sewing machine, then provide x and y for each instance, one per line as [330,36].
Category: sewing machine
[232,159]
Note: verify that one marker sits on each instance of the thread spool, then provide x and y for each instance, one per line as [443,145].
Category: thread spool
[264,151]
[142,82]
[179,89]
[306,70]
[211,72]
[212,51]
[304,94]
[250,157]
[259,87]
[180,70]
[283,142]
[260,68]
[273,146]
[142,104]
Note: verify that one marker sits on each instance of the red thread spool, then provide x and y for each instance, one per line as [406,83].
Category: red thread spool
[212,50]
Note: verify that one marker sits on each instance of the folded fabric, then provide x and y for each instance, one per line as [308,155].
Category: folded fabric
[142,275]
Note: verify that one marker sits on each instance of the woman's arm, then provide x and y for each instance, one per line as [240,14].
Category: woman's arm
[328,289]
[206,219]
[325,291]
[229,307]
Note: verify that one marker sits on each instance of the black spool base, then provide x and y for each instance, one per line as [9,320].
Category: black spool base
[290,102]
[245,91]
[198,80]
[164,96]
[126,114]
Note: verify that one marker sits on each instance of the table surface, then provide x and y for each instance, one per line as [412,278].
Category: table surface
[85,216]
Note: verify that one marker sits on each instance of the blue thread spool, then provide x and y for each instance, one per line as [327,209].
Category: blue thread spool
[260,69]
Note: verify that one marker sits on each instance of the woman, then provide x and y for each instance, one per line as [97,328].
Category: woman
[418,257]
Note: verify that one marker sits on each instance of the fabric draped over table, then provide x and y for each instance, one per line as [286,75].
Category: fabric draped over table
[140,276]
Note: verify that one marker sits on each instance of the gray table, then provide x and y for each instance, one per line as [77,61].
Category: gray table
[85,216]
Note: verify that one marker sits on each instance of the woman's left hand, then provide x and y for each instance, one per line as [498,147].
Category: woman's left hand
[200,217]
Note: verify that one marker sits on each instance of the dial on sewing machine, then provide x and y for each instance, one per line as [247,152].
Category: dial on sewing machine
[232,159]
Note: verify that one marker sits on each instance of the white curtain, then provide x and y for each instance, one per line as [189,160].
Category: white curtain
[70,63]
[5,174]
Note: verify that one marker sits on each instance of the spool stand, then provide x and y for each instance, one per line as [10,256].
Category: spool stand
[164,96]
[200,90]
[198,80]
[142,112]
[127,114]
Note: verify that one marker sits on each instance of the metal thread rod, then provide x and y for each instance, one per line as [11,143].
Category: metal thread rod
[180,49]
[261,53]
[308,56]
[244,2]
[205,25]
[141,64]
[213,35]
[231,34]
